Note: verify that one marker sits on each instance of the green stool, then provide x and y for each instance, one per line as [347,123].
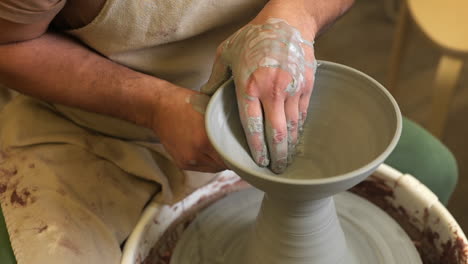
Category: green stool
[422,155]
[417,153]
[6,252]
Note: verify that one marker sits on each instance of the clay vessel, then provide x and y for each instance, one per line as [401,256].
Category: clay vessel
[353,124]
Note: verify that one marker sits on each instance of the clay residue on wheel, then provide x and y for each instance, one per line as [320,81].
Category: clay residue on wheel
[426,241]
[161,253]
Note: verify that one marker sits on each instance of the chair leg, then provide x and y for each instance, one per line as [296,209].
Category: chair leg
[398,47]
[446,79]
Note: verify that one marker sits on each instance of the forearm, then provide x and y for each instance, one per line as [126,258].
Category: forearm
[60,70]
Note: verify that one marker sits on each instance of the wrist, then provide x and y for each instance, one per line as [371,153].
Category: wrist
[310,17]
[163,102]
[294,13]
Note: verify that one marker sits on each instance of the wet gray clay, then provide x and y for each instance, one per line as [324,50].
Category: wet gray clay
[353,125]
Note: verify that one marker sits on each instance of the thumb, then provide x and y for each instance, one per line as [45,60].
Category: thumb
[219,75]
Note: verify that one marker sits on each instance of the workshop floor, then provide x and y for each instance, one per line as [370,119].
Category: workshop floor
[362,39]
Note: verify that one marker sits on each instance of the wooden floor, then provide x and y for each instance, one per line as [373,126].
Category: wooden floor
[362,39]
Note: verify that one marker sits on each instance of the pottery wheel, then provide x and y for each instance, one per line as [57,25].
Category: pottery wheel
[219,233]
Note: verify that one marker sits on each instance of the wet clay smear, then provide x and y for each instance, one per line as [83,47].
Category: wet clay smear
[426,240]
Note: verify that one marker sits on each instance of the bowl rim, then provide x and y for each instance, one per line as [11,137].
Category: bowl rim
[321,181]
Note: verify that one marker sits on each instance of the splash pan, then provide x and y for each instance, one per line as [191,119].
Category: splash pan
[432,230]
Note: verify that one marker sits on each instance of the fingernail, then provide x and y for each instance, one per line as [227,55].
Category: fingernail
[262,157]
[291,126]
[291,153]
[279,166]
[301,121]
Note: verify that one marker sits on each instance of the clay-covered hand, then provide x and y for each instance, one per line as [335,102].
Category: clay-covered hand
[180,126]
[273,68]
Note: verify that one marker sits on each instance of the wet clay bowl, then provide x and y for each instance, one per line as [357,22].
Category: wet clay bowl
[435,233]
[352,125]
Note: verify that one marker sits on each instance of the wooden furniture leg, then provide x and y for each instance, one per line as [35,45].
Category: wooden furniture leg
[398,47]
[446,79]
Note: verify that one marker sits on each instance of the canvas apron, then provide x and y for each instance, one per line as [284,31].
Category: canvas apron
[73,183]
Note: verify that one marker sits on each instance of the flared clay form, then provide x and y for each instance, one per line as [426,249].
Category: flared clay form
[352,125]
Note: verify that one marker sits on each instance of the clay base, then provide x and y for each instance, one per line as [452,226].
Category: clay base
[219,234]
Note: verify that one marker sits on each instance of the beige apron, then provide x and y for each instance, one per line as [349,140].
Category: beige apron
[73,183]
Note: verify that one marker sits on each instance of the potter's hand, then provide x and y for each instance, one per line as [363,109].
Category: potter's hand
[180,126]
[273,68]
